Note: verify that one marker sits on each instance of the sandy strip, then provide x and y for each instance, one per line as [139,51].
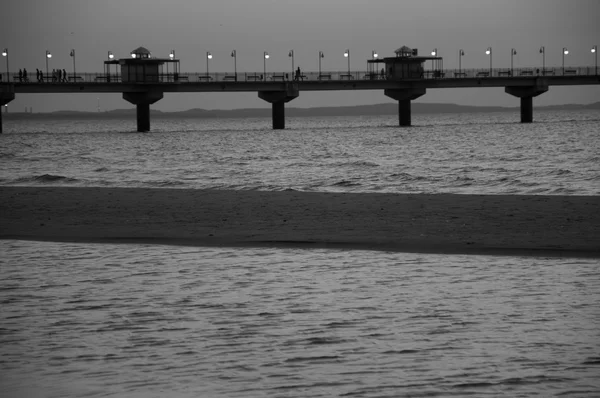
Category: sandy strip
[444,223]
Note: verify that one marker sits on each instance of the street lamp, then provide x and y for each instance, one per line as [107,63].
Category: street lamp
[234,55]
[374,57]
[489,52]
[208,56]
[564,52]
[73,55]
[5,54]
[347,55]
[461,54]
[48,56]
[543,52]
[266,57]
[110,56]
[513,52]
[291,55]
[321,55]
[594,51]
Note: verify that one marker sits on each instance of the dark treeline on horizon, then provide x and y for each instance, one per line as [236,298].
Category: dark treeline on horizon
[365,110]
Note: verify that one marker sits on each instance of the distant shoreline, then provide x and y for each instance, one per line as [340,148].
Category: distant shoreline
[359,110]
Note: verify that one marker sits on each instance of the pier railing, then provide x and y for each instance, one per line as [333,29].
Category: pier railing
[312,76]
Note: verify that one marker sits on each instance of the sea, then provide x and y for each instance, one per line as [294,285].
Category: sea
[140,320]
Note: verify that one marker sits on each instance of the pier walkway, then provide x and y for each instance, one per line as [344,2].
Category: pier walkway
[281,87]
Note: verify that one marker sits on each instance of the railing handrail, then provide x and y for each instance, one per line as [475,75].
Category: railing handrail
[306,76]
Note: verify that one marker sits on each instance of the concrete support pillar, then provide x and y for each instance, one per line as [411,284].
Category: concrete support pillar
[278,109]
[404,98]
[278,100]
[526,109]
[143,117]
[142,101]
[5,98]
[404,112]
[526,94]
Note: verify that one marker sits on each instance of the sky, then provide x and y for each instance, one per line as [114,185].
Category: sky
[193,27]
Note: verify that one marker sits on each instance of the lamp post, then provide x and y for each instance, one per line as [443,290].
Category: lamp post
[171,57]
[594,51]
[564,52]
[433,54]
[321,55]
[489,52]
[347,55]
[73,55]
[291,55]
[110,57]
[48,56]
[208,57]
[265,58]
[5,54]
[543,52]
[374,57]
[461,53]
[513,52]
[234,55]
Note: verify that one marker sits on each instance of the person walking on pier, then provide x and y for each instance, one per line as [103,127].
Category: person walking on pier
[20,75]
[37,75]
[64,75]
[298,74]
[59,75]
[25,79]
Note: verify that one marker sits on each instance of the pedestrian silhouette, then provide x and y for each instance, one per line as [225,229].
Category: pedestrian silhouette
[20,75]
[59,73]
[298,74]
[25,78]
[64,75]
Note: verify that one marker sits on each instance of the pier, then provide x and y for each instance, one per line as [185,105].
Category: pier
[404,78]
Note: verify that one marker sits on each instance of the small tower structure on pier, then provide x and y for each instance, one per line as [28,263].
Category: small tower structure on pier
[407,64]
[145,69]
[141,67]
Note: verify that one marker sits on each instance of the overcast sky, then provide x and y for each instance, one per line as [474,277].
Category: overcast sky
[193,27]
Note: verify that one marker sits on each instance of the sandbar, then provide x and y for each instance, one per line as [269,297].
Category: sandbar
[535,225]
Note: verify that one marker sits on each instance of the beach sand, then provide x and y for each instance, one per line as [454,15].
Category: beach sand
[441,223]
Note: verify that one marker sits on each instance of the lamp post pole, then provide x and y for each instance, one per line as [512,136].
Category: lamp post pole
[5,54]
[265,57]
[564,52]
[48,56]
[433,54]
[110,57]
[291,54]
[460,55]
[208,57]
[347,55]
[543,52]
[489,52]
[234,55]
[74,72]
[374,55]
[320,56]
[513,52]
[594,51]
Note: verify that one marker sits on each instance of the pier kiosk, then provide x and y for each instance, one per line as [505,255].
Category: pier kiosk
[143,68]
[407,65]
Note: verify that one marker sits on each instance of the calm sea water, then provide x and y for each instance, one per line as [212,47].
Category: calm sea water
[458,153]
[154,321]
[151,321]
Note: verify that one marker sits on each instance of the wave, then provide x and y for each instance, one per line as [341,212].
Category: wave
[45,178]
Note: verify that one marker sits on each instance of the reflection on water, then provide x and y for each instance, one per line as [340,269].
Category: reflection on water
[155,321]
